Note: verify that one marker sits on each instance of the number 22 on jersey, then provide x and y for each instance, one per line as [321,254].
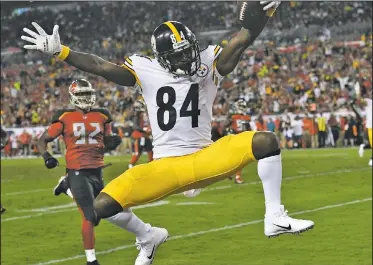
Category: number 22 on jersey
[83,134]
[168,106]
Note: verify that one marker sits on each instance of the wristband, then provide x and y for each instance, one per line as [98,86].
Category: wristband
[64,53]
[46,155]
[270,12]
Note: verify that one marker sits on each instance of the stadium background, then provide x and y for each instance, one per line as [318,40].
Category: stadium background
[304,63]
[309,59]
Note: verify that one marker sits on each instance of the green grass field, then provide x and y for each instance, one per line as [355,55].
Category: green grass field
[332,187]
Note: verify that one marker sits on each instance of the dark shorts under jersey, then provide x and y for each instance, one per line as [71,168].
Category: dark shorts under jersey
[85,185]
[142,145]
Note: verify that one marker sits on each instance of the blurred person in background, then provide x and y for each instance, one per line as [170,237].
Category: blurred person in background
[216,131]
[334,127]
[297,127]
[4,137]
[307,127]
[367,104]
[321,128]
[141,135]
[350,131]
[25,142]
[238,122]
[271,126]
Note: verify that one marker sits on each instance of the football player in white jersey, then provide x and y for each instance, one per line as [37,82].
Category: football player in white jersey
[367,101]
[179,86]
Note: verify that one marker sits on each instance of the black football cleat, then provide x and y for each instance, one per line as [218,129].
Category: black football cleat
[2,210]
[61,187]
[93,262]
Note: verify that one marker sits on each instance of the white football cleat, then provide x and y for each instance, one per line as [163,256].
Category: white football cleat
[370,162]
[281,223]
[361,150]
[149,247]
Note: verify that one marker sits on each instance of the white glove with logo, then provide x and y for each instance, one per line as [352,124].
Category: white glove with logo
[49,44]
[270,4]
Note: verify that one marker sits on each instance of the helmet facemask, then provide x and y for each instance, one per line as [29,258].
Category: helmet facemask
[82,95]
[240,107]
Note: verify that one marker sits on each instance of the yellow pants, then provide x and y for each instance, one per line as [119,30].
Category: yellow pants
[160,178]
[370,137]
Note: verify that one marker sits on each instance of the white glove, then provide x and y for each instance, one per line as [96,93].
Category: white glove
[192,193]
[270,4]
[49,44]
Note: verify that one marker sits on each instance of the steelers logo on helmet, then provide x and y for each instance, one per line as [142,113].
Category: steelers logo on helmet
[82,95]
[203,70]
[176,48]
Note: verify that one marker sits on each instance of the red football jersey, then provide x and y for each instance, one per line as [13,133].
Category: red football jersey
[141,121]
[240,123]
[83,134]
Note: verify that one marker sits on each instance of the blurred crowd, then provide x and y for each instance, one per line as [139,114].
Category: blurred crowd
[313,76]
[114,27]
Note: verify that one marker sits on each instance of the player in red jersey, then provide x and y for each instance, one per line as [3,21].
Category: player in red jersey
[141,136]
[238,122]
[87,134]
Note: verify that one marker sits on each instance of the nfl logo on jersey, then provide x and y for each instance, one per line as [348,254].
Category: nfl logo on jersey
[203,70]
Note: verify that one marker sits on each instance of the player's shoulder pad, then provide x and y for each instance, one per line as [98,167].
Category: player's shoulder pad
[105,112]
[143,56]
[59,113]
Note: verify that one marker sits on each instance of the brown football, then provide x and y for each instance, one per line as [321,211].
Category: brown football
[251,14]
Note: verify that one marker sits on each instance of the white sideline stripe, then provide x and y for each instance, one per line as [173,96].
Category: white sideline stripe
[154,204]
[227,227]
[220,187]
[46,209]
[195,203]
[204,190]
[27,191]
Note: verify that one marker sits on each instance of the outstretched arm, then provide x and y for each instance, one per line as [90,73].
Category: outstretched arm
[90,63]
[96,65]
[253,17]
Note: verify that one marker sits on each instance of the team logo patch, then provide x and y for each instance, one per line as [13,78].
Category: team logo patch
[73,87]
[203,70]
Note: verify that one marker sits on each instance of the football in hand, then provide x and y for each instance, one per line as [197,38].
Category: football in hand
[251,14]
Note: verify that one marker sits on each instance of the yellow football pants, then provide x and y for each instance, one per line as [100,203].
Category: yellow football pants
[160,178]
[370,137]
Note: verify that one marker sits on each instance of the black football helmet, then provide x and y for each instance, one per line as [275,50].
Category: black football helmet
[176,48]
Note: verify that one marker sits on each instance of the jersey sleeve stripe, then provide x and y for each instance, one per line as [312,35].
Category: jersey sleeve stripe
[128,65]
[105,117]
[132,72]
[60,117]
[217,51]
[129,61]
[174,30]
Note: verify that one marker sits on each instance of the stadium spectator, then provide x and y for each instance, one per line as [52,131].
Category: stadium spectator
[322,129]
[297,128]
[25,141]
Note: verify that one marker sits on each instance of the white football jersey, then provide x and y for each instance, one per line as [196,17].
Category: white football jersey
[368,112]
[179,107]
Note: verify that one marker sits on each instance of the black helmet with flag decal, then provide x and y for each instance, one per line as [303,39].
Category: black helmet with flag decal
[176,48]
